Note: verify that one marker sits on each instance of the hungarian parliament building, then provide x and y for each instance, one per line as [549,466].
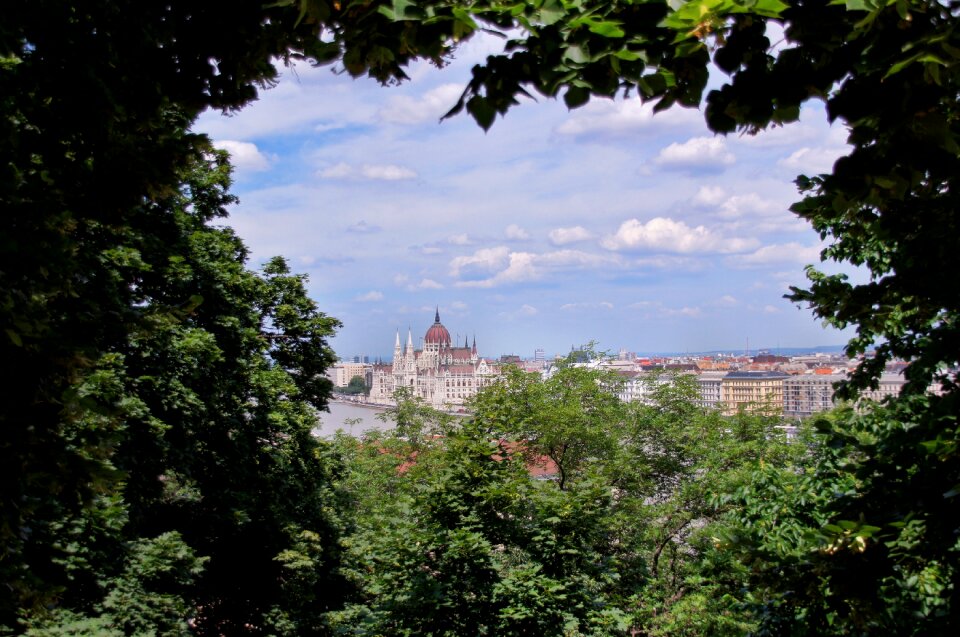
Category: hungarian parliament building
[441,373]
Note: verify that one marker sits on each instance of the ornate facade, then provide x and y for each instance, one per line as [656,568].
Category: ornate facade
[441,373]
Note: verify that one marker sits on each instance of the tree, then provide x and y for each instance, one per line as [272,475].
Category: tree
[208,473]
[570,419]
[665,462]
[468,542]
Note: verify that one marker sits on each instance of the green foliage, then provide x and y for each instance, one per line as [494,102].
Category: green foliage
[355,387]
[888,71]
[814,533]
[161,388]
[455,534]
[145,598]
[195,430]
[573,417]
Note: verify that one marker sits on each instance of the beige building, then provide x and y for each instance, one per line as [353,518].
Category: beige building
[753,391]
[890,384]
[341,373]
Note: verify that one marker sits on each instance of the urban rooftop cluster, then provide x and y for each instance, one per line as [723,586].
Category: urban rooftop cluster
[789,386]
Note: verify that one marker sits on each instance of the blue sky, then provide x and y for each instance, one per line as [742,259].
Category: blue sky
[554,228]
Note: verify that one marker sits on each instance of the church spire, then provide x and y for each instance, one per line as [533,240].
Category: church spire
[474,344]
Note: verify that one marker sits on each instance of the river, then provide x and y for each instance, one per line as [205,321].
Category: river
[340,413]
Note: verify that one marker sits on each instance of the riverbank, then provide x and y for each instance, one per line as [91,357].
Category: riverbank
[352,418]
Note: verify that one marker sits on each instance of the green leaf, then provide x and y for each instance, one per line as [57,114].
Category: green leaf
[629,56]
[551,12]
[481,110]
[607,29]
[576,96]
[576,54]
[768,8]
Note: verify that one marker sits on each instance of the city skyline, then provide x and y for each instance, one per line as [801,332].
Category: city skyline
[555,227]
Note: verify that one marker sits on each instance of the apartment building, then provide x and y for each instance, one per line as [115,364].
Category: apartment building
[754,391]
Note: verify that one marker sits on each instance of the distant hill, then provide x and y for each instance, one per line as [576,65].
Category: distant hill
[782,351]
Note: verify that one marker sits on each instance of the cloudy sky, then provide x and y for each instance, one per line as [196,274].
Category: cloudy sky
[555,228]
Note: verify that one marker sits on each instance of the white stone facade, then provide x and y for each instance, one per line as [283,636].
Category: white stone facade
[443,375]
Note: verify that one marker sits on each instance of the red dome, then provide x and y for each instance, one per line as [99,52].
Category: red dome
[437,332]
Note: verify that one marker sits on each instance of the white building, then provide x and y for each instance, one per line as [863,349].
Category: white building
[709,383]
[809,394]
[441,373]
[642,386]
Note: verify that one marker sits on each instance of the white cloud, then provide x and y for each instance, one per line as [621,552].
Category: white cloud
[337,171]
[662,234]
[574,258]
[388,172]
[690,312]
[244,155]
[485,260]
[525,311]
[427,284]
[327,126]
[812,160]
[461,239]
[491,267]
[792,252]
[432,105]
[520,267]
[563,236]
[458,305]
[516,233]
[385,172]
[656,309]
[749,204]
[702,153]
[709,196]
[726,301]
[616,117]
[372,295]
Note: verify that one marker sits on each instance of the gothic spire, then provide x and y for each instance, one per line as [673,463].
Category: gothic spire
[436,319]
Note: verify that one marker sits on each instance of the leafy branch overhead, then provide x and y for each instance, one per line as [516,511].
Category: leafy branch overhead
[159,409]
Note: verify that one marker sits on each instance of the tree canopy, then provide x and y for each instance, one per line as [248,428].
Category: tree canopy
[117,297]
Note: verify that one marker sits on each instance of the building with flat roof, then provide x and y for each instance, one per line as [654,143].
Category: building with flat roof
[809,394]
[709,383]
[754,391]
[341,373]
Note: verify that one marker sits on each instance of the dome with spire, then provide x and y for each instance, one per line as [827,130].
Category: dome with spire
[437,333]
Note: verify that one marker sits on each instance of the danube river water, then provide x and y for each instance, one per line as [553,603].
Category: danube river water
[341,415]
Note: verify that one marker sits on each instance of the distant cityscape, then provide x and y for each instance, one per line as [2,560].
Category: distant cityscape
[446,374]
